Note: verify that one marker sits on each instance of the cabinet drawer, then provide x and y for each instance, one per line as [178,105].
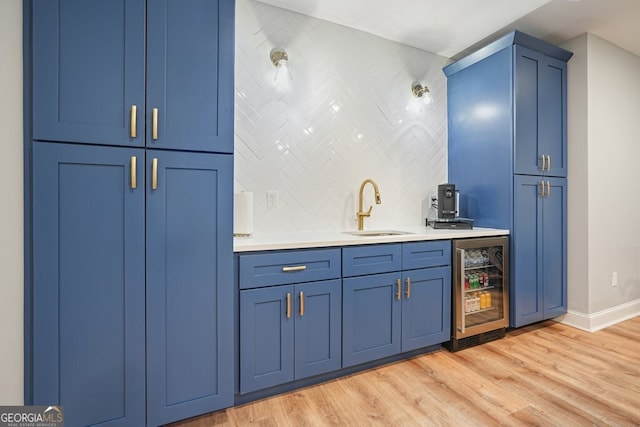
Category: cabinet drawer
[371,259]
[279,268]
[426,254]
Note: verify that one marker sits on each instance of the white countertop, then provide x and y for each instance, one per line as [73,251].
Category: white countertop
[318,239]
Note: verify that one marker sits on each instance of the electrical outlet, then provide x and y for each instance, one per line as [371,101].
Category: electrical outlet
[433,201]
[614,278]
[272,199]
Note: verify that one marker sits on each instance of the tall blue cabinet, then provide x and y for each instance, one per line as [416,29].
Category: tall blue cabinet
[507,125]
[131,234]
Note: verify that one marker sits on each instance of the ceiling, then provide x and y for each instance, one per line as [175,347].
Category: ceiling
[452,28]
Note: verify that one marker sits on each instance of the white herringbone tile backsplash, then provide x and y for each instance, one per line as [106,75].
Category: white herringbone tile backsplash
[348,115]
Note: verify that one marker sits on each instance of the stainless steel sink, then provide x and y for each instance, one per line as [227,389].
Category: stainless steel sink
[377,233]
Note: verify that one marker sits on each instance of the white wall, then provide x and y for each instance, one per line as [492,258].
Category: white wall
[344,119]
[604,155]
[614,167]
[11,214]
[578,182]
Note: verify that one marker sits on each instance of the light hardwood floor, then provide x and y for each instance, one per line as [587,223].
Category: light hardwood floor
[547,374]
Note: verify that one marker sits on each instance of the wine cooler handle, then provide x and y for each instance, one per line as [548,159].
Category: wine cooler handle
[461,256]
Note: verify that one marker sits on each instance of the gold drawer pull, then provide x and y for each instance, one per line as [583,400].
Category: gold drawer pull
[294,268]
[408,291]
[134,181]
[154,123]
[154,174]
[301,303]
[288,305]
[133,124]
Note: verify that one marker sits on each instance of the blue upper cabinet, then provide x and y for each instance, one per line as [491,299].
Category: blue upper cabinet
[540,98]
[90,67]
[88,71]
[190,47]
[189,284]
[89,283]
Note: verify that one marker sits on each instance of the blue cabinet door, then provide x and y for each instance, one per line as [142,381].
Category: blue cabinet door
[318,325]
[88,70]
[371,308]
[190,47]
[426,307]
[526,292]
[554,248]
[266,337]
[88,283]
[539,249]
[189,284]
[540,92]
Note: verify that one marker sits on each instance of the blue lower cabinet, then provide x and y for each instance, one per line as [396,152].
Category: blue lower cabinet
[318,337]
[396,311]
[189,284]
[539,247]
[426,307]
[266,337]
[371,317]
[119,337]
[89,283]
[288,332]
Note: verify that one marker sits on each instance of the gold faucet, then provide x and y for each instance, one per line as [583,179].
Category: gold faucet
[361,213]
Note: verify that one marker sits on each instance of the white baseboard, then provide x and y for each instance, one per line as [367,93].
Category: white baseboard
[595,321]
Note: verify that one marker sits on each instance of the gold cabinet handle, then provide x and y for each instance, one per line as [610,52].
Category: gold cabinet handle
[548,189]
[154,174]
[398,289]
[301,303]
[154,123]
[294,268]
[544,162]
[288,305]
[548,162]
[408,291]
[134,169]
[542,188]
[134,116]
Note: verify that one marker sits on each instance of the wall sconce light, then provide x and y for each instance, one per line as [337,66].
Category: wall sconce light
[421,92]
[280,60]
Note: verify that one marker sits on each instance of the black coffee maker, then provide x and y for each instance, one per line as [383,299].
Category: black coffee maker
[447,201]
[448,205]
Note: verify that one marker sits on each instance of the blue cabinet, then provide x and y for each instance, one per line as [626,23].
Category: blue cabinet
[90,73]
[90,229]
[89,283]
[290,331]
[190,46]
[507,125]
[371,317]
[88,70]
[388,310]
[189,284]
[540,145]
[131,308]
[539,249]
[426,307]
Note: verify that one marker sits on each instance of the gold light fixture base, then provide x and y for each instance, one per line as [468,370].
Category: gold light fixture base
[418,90]
[278,54]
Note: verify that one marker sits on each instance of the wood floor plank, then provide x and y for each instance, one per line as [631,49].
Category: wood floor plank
[547,374]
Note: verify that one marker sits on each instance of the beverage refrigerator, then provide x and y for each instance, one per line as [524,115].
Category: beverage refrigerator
[480,291]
